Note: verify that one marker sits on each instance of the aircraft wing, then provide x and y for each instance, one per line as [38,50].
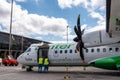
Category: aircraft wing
[113,17]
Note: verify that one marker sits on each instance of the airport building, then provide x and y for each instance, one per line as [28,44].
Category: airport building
[18,44]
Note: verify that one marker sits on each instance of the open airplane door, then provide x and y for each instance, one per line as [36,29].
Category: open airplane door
[43,51]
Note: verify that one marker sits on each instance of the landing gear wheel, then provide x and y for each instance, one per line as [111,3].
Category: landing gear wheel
[29,68]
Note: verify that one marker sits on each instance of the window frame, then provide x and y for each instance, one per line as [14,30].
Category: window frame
[98,50]
[86,50]
[92,50]
[61,51]
[116,49]
[110,49]
[66,51]
[104,50]
[71,51]
[55,51]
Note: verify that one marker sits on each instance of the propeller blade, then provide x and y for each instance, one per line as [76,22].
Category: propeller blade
[76,39]
[79,27]
[82,32]
[78,23]
[78,48]
[81,51]
[76,31]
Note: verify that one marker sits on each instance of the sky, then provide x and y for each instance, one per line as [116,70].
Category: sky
[47,20]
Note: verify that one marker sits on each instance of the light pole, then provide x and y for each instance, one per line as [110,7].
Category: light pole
[67,71]
[10,27]
[22,43]
[67,34]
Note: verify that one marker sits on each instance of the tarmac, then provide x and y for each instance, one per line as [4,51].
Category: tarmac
[58,73]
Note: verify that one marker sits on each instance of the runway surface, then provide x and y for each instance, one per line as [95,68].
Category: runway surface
[58,73]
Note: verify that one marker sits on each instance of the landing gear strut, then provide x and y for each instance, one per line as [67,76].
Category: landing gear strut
[29,68]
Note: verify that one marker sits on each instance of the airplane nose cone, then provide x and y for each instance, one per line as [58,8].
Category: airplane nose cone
[19,59]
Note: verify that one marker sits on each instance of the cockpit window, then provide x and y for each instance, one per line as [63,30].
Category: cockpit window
[28,50]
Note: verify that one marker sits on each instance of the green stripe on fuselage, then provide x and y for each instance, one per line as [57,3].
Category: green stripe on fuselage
[61,46]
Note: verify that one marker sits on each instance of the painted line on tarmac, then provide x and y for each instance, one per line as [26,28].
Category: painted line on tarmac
[7,74]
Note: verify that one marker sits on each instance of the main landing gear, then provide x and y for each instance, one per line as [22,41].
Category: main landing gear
[28,68]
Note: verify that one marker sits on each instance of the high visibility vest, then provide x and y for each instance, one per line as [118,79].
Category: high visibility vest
[46,62]
[40,61]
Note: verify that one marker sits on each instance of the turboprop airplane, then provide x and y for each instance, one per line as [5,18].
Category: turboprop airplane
[99,48]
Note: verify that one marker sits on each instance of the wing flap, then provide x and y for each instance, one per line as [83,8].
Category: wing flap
[113,17]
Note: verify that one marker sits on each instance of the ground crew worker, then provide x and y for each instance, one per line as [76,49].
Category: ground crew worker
[40,63]
[46,63]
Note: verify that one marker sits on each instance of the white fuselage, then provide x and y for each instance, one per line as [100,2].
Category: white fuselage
[99,45]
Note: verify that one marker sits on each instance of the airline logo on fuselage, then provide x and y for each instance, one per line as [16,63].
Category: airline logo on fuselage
[61,46]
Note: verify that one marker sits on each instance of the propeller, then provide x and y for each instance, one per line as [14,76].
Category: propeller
[78,39]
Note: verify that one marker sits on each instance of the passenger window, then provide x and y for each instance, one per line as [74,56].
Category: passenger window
[92,50]
[70,51]
[65,51]
[86,50]
[110,49]
[55,51]
[75,51]
[116,49]
[60,51]
[98,50]
[104,49]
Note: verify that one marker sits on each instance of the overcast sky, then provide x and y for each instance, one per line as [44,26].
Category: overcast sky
[48,19]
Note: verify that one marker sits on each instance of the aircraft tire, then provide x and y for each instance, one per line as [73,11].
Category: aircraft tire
[29,68]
